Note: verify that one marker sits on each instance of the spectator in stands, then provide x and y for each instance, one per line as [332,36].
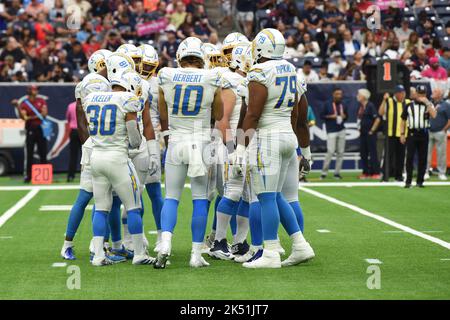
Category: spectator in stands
[336,65]
[308,47]
[35,7]
[77,57]
[414,42]
[41,66]
[225,10]
[34,134]
[13,49]
[287,12]
[312,17]
[42,27]
[434,70]
[10,69]
[203,29]
[420,59]
[186,29]
[353,70]
[393,50]
[438,134]
[331,45]
[179,16]
[403,32]
[214,39]
[332,15]
[369,47]
[348,46]
[323,72]
[245,15]
[367,114]
[307,72]
[290,50]
[170,47]
[322,36]
[57,11]
[334,115]
[81,7]
[444,59]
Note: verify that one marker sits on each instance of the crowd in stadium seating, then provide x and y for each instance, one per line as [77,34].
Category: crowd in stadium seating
[326,39]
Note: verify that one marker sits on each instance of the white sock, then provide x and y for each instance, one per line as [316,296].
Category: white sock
[197,248]
[256,248]
[212,235]
[223,220]
[117,245]
[98,247]
[68,244]
[126,233]
[271,244]
[158,236]
[297,238]
[166,240]
[138,244]
[242,229]
[106,244]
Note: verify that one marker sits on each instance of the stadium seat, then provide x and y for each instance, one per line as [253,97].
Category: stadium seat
[443,11]
[440,31]
[440,3]
[408,12]
[316,61]
[297,62]
[445,42]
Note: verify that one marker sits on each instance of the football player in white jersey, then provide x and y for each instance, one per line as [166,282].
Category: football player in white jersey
[113,128]
[216,180]
[228,206]
[149,64]
[96,80]
[188,97]
[272,97]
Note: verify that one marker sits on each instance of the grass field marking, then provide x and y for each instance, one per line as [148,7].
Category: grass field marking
[61,207]
[59,264]
[373,261]
[5,237]
[58,187]
[378,217]
[19,205]
[323,231]
[367,184]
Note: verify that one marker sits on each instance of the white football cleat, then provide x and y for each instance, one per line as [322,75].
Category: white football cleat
[442,177]
[197,261]
[245,257]
[300,254]
[269,259]
[157,246]
[279,249]
[128,244]
[146,244]
[101,261]
[143,259]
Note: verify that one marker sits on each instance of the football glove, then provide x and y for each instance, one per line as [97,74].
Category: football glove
[153,155]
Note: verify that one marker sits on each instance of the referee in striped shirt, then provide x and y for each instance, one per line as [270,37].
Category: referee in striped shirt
[416,115]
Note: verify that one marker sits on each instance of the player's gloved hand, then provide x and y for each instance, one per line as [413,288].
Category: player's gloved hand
[305,162]
[238,160]
[154,156]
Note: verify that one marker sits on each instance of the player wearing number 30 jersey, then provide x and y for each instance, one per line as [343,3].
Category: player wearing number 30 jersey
[188,97]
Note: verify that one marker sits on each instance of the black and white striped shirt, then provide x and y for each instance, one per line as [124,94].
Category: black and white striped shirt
[416,116]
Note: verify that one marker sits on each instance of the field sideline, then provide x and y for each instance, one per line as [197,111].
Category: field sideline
[351,226]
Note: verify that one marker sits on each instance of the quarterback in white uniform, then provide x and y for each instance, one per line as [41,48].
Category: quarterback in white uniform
[272,97]
[188,97]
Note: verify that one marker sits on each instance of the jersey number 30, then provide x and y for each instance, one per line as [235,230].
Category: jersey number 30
[106,121]
[286,82]
[186,93]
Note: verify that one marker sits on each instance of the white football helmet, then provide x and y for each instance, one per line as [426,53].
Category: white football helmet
[133,52]
[105,52]
[241,57]
[118,63]
[134,82]
[190,47]
[213,57]
[230,42]
[150,61]
[96,62]
[268,43]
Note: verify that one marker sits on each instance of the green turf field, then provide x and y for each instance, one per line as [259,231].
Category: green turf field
[412,266]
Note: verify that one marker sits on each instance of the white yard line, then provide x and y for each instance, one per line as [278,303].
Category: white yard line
[19,205]
[55,187]
[377,217]
[373,261]
[61,207]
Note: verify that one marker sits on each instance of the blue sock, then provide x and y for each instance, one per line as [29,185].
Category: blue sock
[298,213]
[169,215]
[287,215]
[255,223]
[270,216]
[141,210]
[216,204]
[99,223]
[114,220]
[155,195]
[199,219]
[243,209]
[77,213]
[107,232]
[135,221]
[233,223]
[227,206]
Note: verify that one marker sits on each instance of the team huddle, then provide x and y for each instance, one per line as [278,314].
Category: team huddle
[232,120]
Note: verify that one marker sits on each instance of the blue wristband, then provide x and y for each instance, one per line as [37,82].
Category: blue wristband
[299,151]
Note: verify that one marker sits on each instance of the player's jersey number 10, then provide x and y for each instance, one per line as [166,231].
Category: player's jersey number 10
[102,120]
[183,96]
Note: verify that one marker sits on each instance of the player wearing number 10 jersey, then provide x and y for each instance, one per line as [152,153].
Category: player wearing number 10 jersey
[188,97]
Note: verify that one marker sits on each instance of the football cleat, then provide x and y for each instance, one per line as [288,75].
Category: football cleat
[197,261]
[299,254]
[247,256]
[122,252]
[68,253]
[280,249]
[239,249]
[269,259]
[258,254]
[161,261]
[143,260]
[209,242]
[115,258]
[100,262]
[157,246]
[220,250]
[128,244]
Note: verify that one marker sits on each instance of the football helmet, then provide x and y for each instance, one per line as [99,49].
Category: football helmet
[230,42]
[190,47]
[134,82]
[150,61]
[268,43]
[241,57]
[213,57]
[133,52]
[96,62]
[117,64]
